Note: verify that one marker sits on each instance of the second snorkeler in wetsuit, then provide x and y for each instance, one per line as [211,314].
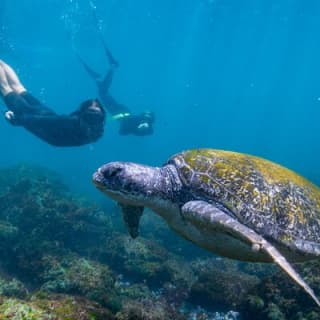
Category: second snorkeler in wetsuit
[83,126]
[140,124]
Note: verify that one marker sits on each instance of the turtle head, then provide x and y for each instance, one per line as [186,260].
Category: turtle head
[126,182]
[135,186]
[131,185]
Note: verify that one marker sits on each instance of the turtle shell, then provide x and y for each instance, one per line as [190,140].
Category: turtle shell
[273,200]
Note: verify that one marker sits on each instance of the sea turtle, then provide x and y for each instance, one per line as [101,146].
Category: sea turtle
[233,204]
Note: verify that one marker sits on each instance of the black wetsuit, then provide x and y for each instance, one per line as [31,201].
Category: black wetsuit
[79,128]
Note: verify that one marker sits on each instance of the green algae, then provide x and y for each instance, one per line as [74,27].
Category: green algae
[12,288]
[12,309]
[76,275]
[55,307]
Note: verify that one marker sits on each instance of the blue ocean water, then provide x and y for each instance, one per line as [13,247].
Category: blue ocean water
[227,74]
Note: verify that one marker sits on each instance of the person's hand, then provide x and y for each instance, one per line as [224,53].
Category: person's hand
[9,115]
[143,126]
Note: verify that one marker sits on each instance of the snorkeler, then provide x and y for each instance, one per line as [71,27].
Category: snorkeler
[83,126]
[140,124]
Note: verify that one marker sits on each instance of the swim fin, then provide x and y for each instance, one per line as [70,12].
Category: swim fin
[95,75]
[112,61]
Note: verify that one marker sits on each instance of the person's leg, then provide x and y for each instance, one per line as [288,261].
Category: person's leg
[94,75]
[12,78]
[5,88]
[112,61]
[106,82]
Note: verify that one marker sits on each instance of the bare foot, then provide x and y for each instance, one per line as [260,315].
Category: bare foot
[12,78]
[4,85]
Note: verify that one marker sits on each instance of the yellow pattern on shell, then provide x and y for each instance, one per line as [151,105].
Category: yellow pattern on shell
[272,172]
[266,187]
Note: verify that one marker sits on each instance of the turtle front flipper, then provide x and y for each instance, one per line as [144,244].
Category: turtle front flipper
[204,215]
[131,216]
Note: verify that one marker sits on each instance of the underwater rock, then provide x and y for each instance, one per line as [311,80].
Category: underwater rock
[277,298]
[221,288]
[7,232]
[13,175]
[11,287]
[132,291]
[261,270]
[54,307]
[19,310]
[79,276]
[39,216]
[46,232]
[139,259]
[143,260]
[201,314]
[8,235]
[148,310]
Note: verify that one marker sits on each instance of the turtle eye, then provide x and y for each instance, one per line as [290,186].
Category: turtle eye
[112,172]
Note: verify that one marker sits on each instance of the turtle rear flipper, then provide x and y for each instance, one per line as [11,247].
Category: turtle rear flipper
[131,216]
[204,215]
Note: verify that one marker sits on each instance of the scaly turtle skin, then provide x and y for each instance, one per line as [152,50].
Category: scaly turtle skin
[232,204]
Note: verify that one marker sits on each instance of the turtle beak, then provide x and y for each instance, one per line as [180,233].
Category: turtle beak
[108,176]
[97,179]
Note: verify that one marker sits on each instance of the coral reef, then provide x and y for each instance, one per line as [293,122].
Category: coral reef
[76,275]
[144,260]
[64,257]
[54,307]
[39,217]
[11,287]
[148,310]
[278,298]
[221,288]
[133,291]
